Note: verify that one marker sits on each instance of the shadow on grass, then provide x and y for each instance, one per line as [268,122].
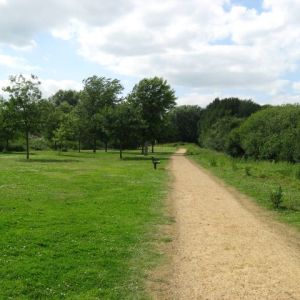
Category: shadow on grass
[49,160]
[284,208]
[149,158]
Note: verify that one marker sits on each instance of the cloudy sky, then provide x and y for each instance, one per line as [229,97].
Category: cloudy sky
[204,48]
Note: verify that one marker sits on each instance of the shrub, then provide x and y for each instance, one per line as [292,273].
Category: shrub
[234,166]
[276,197]
[213,162]
[39,143]
[272,134]
[247,171]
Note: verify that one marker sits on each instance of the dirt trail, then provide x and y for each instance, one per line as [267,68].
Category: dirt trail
[222,250]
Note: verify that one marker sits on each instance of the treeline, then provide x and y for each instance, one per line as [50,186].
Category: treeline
[242,128]
[97,116]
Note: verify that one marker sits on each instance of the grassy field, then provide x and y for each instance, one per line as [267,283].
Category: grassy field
[257,179]
[79,226]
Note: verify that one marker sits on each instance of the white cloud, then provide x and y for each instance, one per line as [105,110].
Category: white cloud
[16,63]
[51,86]
[195,98]
[193,43]
[21,20]
[198,44]
[296,86]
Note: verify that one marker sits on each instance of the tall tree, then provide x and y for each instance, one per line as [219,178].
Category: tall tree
[24,95]
[7,123]
[99,93]
[185,120]
[68,96]
[155,97]
[218,109]
[124,122]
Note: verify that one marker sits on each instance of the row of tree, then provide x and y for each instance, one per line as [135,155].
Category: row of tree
[97,113]
[243,128]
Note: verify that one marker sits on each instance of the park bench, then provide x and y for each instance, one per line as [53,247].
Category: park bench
[155,162]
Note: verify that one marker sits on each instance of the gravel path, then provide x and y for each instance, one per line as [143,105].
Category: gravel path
[222,249]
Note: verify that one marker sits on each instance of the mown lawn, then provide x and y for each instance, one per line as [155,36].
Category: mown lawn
[257,179]
[79,226]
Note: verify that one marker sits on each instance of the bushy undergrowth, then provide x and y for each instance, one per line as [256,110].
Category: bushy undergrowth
[271,134]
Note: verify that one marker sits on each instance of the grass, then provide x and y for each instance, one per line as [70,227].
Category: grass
[257,179]
[79,226]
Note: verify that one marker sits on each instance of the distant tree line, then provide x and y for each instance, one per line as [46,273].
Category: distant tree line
[99,116]
[242,128]
[96,116]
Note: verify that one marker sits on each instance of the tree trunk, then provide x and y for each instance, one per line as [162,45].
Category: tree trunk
[106,146]
[27,144]
[121,152]
[79,145]
[143,148]
[146,149]
[6,146]
[95,145]
[152,147]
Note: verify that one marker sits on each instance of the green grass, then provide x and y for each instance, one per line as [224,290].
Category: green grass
[257,179]
[79,226]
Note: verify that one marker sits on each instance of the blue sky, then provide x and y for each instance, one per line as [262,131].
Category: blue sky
[204,48]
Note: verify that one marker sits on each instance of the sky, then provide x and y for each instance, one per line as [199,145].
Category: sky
[204,48]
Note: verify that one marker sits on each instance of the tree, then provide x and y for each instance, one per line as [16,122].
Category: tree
[65,96]
[51,118]
[272,133]
[185,120]
[218,109]
[217,136]
[79,123]
[154,97]
[65,131]
[124,122]
[7,123]
[24,95]
[98,95]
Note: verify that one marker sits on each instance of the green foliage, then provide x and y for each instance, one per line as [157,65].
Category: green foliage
[247,171]
[39,143]
[272,133]
[154,97]
[8,122]
[124,122]
[62,97]
[297,173]
[99,94]
[276,197]
[216,137]
[24,97]
[79,226]
[184,120]
[220,118]
[213,162]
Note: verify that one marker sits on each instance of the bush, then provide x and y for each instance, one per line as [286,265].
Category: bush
[247,171]
[39,143]
[213,162]
[234,165]
[276,197]
[272,134]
